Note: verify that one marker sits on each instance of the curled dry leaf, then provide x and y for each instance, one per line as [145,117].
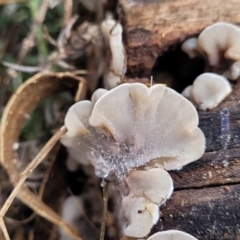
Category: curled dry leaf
[22,103]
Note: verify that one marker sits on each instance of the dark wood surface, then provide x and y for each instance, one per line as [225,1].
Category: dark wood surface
[151,26]
[206,199]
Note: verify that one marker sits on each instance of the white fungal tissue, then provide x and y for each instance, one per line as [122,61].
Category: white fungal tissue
[208,91]
[219,45]
[112,31]
[171,235]
[134,126]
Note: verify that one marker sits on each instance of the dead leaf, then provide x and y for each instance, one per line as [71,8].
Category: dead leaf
[17,111]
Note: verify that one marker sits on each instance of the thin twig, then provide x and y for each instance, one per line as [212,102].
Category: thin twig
[4,229]
[28,42]
[105,209]
[68,8]
[36,161]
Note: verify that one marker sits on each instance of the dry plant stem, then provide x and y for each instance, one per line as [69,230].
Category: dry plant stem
[105,209]
[35,89]
[2,2]
[68,7]
[28,42]
[32,201]
[36,161]
[26,197]
[49,37]
[4,229]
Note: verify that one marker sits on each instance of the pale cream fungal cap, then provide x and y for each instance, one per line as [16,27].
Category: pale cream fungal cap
[97,94]
[77,116]
[141,215]
[220,41]
[112,31]
[71,212]
[111,80]
[155,184]
[76,139]
[187,92]
[171,235]
[77,124]
[209,90]
[155,123]
[190,47]
[234,72]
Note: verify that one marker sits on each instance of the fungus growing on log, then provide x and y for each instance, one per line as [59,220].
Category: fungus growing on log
[141,215]
[147,191]
[156,185]
[191,48]
[220,45]
[209,90]
[171,235]
[129,127]
[135,126]
[112,31]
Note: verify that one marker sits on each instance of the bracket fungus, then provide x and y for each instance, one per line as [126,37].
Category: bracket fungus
[112,31]
[129,126]
[209,90]
[141,215]
[133,126]
[220,45]
[155,184]
[147,191]
[71,211]
[191,48]
[171,235]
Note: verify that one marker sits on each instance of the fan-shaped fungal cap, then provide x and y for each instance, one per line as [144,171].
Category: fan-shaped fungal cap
[132,125]
[209,90]
[76,122]
[77,138]
[155,184]
[149,123]
[220,40]
[171,235]
[97,94]
[71,211]
[187,92]
[112,32]
[190,47]
[141,215]
[234,72]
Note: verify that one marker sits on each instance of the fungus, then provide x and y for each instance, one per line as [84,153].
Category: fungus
[77,124]
[191,48]
[209,90]
[112,32]
[141,215]
[132,125]
[147,191]
[71,212]
[156,185]
[220,44]
[135,126]
[171,235]
[187,92]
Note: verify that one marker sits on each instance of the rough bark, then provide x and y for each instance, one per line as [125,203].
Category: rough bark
[206,199]
[151,26]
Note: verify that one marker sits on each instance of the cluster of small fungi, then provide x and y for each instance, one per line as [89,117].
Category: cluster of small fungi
[133,134]
[218,44]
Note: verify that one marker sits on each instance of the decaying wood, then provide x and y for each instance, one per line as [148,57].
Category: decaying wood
[221,162]
[151,26]
[207,192]
[208,214]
